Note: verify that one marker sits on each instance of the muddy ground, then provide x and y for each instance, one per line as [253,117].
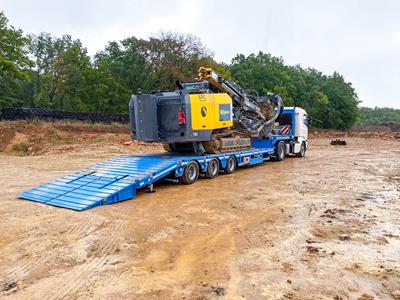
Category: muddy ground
[323,227]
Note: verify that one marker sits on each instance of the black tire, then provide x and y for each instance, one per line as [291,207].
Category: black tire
[280,151]
[212,169]
[303,150]
[230,165]
[191,173]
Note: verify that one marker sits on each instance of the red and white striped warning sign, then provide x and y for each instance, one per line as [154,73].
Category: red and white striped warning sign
[285,129]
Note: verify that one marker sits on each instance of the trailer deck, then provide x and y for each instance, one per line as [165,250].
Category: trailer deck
[119,178]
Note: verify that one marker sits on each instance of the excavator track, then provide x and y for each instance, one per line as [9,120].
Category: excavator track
[222,144]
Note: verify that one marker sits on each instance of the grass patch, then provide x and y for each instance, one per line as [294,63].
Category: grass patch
[21,147]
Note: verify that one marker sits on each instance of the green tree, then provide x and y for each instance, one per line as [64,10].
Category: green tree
[175,57]
[14,63]
[263,73]
[133,64]
[342,110]
[119,71]
[60,74]
[378,115]
[329,99]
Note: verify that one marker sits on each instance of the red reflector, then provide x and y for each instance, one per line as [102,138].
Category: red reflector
[182,119]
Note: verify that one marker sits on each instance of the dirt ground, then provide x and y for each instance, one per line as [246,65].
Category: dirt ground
[323,227]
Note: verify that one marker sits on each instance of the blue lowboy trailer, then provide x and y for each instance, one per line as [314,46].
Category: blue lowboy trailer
[119,178]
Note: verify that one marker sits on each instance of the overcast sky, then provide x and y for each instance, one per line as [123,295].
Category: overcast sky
[358,38]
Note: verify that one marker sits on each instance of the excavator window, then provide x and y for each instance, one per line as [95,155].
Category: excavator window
[195,87]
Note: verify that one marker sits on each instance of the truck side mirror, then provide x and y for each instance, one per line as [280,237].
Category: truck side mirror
[308,121]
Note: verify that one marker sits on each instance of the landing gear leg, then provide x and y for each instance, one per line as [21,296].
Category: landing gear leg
[150,188]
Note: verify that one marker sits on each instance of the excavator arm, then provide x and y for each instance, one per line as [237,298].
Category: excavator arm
[253,114]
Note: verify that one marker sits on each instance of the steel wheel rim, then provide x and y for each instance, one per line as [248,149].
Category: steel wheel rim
[231,164]
[191,172]
[213,166]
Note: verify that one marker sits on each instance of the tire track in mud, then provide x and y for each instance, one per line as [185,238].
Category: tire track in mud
[13,278]
[80,229]
[24,270]
[102,252]
[83,229]
[84,274]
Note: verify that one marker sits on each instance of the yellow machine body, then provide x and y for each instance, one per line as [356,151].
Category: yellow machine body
[211,111]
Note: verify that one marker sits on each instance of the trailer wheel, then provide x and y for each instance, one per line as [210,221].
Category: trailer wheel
[280,151]
[191,173]
[230,165]
[303,149]
[212,169]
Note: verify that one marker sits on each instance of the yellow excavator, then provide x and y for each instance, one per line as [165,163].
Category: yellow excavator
[208,115]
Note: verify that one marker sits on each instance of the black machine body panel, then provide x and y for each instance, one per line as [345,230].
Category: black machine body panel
[155,118]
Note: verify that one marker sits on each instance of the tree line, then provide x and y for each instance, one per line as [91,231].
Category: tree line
[57,72]
[378,115]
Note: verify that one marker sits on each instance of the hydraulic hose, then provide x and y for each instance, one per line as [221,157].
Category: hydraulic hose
[277,100]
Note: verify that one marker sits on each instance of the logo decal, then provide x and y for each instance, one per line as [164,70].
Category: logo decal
[203,111]
[225,112]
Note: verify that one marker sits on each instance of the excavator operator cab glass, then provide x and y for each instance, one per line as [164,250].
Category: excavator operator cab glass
[195,87]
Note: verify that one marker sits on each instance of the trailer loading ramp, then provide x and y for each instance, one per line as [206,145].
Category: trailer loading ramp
[108,182]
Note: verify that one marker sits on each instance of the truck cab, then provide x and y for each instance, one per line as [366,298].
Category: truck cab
[293,123]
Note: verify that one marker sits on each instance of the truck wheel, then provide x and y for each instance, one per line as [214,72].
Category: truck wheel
[212,169]
[191,173]
[303,149]
[230,165]
[280,151]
